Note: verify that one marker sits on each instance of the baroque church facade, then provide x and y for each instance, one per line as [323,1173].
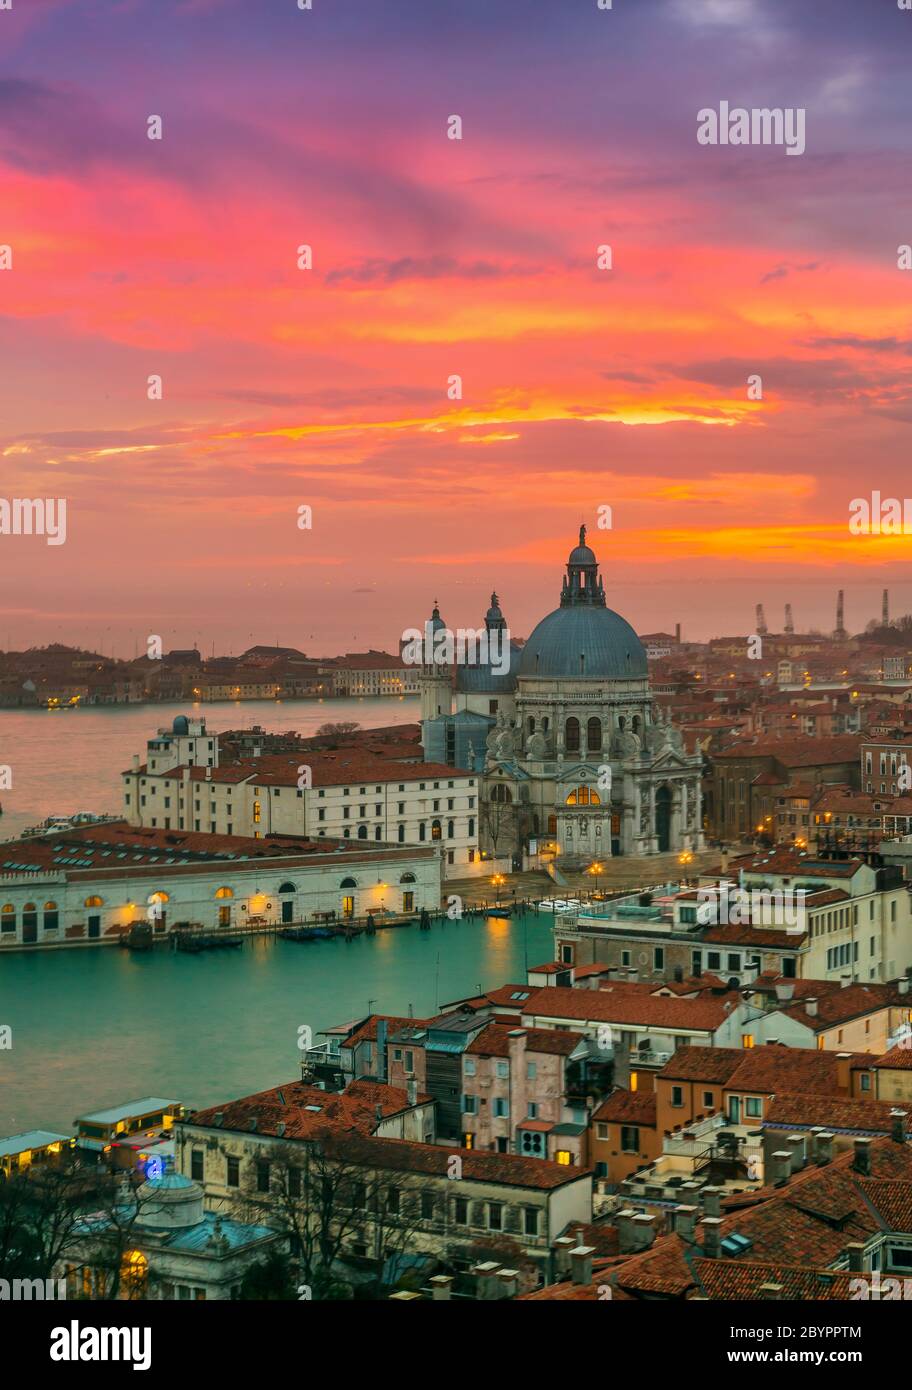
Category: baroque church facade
[575,759]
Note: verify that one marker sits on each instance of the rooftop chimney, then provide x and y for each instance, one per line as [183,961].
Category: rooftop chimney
[712,1201]
[899,1126]
[581,1263]
[781,1166]
[824,1148]
[811,1007]
[441,1285]
[509,1282]
[798,1145]
[487,1284]
[712,1236]
[770,1291]
[626,1234]
[643,1230]
[411,1088]
[685,1222]
[561,1250]
[862,1162]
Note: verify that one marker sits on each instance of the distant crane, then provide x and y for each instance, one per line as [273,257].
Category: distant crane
[789,621]
[885,613]
[762,629]
[840,631]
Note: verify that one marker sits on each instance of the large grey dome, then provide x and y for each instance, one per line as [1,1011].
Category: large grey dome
[594,643]
[480,678]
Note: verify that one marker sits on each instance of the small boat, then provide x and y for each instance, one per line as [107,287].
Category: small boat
[307,933]
[500,912]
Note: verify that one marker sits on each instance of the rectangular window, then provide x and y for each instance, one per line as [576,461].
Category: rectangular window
[677,1096]
[262,1175]
[753,1107]
[461,1211]
[495,1216]
[233,1177]
[630,1139]
[196,1165]
[427,1206]
[530,1221]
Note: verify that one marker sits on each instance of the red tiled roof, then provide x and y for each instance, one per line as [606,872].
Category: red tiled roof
[629,1108]
[830,1112]
[307,1112]
[646,1010]
[494,1041]
[899,1058]
[854,1001]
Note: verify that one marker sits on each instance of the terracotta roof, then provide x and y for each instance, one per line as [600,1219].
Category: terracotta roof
[645,1010]
[629,1108]
[808,1223]
[796,752]
[731,934]
[307,1112]
[494,1041]
[854,1001]
[478,1165]
[774,1068]
[709,1064]
[830,1112]
[732,1280]
[899,1058]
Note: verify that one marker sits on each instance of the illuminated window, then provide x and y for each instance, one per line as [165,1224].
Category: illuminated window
[224,892]
[634,1080]
[583,796]
[563,1156]
[747,1039]
[94,902]
[256,813]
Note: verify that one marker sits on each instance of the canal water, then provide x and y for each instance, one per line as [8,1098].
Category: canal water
[91,1027]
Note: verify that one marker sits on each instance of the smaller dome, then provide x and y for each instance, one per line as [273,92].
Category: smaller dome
[181,725]
[171,1202]
[435,622]
[582,555]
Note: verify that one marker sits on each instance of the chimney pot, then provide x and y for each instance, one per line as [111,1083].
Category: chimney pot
[712,1236]
[782,1166]
[581,1263]
[770,1291]
[712,1201]
[441,1285]
[899,1126]
[798,1146]
[685,1221]
[644,1230]
[824,1148]
[862,1163]
[561,1248]
[626,1235]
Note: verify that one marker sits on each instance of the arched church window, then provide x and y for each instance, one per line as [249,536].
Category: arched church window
[635,725]
[435,830]
[501,792]
[531,724]
[572,735]
[546,724]
[594,735]
[583,796]
[621,722]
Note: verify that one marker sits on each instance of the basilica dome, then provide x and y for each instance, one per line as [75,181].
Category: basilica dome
[583,638]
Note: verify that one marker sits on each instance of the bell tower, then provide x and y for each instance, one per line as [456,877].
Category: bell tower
[434,680]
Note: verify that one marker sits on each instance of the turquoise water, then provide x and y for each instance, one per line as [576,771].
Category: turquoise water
[96,1026]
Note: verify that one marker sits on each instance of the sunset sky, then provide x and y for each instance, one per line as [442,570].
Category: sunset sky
[435,257]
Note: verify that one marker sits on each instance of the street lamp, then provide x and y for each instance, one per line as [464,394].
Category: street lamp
[595,870]
[498,880]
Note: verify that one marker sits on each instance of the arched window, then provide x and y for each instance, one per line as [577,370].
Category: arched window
[51,919]
[287,888]
[594,735]
[531,724]
[451,829]
[635,724]
[159,897]
[546,724]
[224,892]
[29,917]
[7,917]
[471,825]
[621,722]
[436,830]
[94,902]
[362,832]
[583,796]
[501,792]
[402,834]
[407,878]
[572,735]
[348,883]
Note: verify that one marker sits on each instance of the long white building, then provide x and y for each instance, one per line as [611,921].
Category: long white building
[347,793]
